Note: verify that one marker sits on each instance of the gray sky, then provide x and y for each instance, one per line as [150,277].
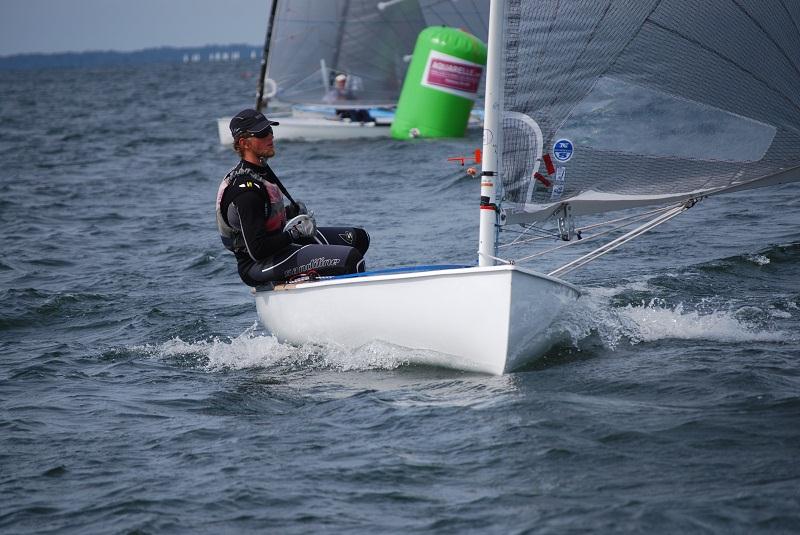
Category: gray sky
[80,25]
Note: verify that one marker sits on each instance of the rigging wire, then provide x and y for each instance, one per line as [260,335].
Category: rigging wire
[546,233]
[665,214]
[610,246]
[585,239]
[543,234]
[497,258]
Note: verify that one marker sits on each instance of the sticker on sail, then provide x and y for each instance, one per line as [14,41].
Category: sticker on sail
[453,75]
[560,182]
[562,150]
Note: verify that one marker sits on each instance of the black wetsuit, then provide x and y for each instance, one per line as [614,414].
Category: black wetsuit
[268,254]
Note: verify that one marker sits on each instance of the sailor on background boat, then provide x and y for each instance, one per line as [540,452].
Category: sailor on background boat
[340,92]
[273,242]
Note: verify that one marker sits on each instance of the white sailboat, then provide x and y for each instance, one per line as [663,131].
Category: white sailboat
[591,107]
[310,42]
[298,124]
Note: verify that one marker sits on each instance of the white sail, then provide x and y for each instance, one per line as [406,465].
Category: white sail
[646,102]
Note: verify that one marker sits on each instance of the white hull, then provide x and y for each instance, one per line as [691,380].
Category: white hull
[303,128]
[310,123]
[485,319]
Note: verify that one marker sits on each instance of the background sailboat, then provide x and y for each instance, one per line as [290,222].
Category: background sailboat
[313,41]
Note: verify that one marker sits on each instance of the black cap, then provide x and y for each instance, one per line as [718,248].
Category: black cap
[250,121]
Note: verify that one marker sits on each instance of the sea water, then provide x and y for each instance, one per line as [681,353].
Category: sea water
[138,393]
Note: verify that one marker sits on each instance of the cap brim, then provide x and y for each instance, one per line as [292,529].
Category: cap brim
[263,125]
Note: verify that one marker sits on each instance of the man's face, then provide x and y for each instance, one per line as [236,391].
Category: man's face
[263,147]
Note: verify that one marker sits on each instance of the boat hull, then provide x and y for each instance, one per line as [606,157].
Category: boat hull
[300,128]
[491,319]
[313,123]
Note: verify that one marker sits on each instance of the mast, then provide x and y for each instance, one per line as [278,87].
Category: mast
[492,134]
[265,56]
[339,39]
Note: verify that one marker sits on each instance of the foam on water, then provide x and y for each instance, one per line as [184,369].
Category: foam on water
[254,349]
[247,350]
[758,259]
[656,320]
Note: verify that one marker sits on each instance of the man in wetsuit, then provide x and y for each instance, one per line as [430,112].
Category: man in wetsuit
[274,242]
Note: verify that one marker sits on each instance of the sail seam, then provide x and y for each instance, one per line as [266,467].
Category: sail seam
[791,17]
[768,36]
[727,60]
[553,19]
[586,45]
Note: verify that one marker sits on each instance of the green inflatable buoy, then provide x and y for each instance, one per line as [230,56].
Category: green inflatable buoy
[441,84]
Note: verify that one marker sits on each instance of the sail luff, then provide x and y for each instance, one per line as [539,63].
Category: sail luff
[492,135]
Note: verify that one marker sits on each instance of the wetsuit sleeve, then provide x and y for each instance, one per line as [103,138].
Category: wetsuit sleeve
[250,208]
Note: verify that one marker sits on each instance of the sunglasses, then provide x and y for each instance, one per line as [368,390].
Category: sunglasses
[264,133]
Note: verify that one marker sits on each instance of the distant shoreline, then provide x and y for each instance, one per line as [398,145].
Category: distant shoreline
[101,58]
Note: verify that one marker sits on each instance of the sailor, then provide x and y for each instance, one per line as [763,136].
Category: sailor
[339,92]
[274,237]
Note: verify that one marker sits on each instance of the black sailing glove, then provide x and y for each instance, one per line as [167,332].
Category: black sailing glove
[294,210]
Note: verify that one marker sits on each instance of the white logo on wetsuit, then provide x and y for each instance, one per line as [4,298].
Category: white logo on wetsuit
[347,237]
[315,263]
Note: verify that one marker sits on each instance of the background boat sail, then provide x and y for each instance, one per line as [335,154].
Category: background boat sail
[591,107]
[471,16]
[313,41]
[366,40]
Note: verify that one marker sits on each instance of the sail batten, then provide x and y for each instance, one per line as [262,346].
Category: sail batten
[640,102]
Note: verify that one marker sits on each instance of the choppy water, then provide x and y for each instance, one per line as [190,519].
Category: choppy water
[139,395]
